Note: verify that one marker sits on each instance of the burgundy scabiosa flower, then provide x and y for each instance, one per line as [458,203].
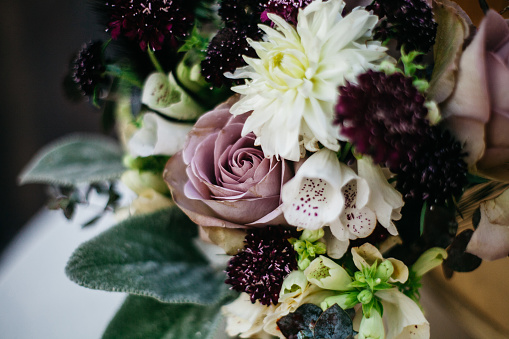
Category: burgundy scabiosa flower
[436,171]
[225,52]
[88,68]
[383,116]
[267,258]
[151,23]
[240,12]
[410,22]
[287,9]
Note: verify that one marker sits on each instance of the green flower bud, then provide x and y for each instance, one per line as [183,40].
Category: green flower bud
[429,260]
[344,300]
[372,327]
[312,235]
[359,276]
[365,296]
[384,271]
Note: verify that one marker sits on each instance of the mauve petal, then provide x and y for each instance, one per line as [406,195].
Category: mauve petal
[208,123]
[224,142]
[197,183]
[495,164]
[498,73]
[224,193]
[175,176]
[503,50]
[497,131]
[243,211]
[470,132]
[496,29]
[270,183]
[203,161]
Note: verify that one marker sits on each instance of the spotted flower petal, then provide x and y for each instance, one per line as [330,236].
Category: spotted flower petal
[313,197]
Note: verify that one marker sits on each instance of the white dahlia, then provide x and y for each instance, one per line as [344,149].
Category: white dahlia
[293,84]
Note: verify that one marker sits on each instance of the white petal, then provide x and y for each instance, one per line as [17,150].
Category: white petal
[403,317]
[336,245]
[310,60]
[490,240]
[326,274]
[157,91]
[384,199]
[157,136]
[245,318]
[313,197]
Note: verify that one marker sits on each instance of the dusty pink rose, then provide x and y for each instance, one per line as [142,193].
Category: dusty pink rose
[478,110]
[222,179]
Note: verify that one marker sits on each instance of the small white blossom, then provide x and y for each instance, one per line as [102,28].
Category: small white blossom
[158,136]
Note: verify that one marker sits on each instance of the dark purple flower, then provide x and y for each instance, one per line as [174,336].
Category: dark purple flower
[286,9]
[88,68]
[383,116]
[225,52]
[150,23]
[267,258]
[410,22]
[436,171]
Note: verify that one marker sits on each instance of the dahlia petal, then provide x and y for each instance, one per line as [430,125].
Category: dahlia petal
[295,70]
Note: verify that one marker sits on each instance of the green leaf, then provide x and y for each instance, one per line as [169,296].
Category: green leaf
[74,160]
[141,317]
[150,255]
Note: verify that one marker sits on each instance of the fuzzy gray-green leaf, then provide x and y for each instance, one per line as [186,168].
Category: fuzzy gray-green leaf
[73,160]
[141,317]
[150,255]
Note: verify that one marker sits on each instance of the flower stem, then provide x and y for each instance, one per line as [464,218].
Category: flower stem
[154,60]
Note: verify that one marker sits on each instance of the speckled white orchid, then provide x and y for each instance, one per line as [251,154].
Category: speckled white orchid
[293,82]
[326,192]
[158,136]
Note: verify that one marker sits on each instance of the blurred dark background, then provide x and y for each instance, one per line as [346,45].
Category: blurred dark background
[37,40]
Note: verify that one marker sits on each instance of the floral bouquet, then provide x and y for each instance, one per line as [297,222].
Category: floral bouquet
[298,165]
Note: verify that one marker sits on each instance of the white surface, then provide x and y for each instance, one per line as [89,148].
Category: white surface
[37,300]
